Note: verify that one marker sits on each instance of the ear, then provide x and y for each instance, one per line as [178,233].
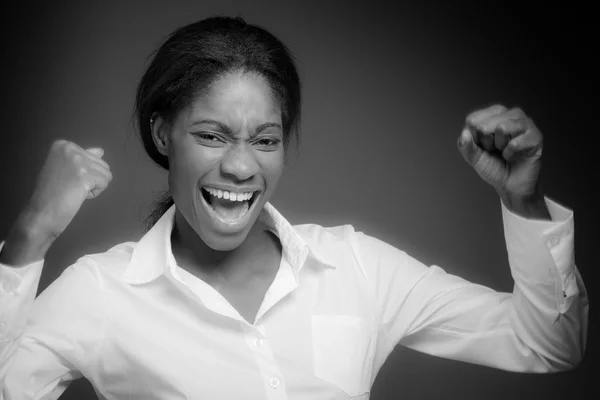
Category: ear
[160,133]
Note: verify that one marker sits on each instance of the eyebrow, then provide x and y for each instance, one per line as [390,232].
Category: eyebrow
[225,129]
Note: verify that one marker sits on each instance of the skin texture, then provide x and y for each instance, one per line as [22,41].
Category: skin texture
[505,148]
[205,154]
[69,176]
[502,145]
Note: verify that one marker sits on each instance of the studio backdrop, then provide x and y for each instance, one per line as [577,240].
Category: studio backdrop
[386,92]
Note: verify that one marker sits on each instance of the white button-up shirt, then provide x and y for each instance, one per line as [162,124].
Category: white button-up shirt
[140,327]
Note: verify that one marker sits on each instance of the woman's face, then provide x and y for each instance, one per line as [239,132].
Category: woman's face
[226,156]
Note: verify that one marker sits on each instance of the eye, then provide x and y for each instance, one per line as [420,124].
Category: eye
[268,142]
[207,137]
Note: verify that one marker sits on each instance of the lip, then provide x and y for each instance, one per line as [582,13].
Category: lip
[234,189]
[229,226]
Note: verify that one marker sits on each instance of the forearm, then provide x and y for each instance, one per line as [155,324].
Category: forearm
[550,300]
[550,325]
[540,327]
[18,287]
[523,331]
[27,242]
[530,209]
[532,206]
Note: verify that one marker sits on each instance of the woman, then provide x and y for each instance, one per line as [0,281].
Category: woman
[223,298]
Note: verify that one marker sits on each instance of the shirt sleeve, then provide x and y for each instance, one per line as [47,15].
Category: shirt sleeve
[47,342]
[540,327]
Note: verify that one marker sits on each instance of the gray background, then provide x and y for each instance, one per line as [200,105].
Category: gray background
[386,91]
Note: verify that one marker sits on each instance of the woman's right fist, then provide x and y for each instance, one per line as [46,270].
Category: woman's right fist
[69,176]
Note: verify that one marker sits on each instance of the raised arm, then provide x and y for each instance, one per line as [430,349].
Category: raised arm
[542,325]
[70,175]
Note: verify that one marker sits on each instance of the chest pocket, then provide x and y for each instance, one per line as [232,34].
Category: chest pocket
[342,353]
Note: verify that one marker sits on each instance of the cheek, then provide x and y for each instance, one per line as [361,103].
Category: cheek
[272,165]
[190,161]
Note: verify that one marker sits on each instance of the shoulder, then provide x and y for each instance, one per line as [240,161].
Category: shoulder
[338,236]
[74,304]
[338,231]
[113,261]
[331,244]
[314,234]
[347,241]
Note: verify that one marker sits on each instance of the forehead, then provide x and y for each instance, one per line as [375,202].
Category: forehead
[238,96]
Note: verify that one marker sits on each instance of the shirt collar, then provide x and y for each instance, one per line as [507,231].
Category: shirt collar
[152,256]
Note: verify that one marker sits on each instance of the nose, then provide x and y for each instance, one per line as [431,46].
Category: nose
[239,161]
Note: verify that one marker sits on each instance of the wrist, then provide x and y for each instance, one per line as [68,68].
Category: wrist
[530,207]
[35,226]
[28,240]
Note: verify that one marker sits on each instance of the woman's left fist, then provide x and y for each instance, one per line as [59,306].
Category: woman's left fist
[505,148]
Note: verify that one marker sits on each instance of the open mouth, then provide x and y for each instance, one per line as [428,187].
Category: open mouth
[229,206]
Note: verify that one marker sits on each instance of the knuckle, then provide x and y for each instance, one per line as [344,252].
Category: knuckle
[472,115]
[518,112]
[529,123]
[76,158]
[60,146]
[82,171]
[68,150]
[68,146]
[58,143]
[486,130]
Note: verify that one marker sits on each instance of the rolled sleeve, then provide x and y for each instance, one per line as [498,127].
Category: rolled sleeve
[18,287]
[542,251]
[540,327]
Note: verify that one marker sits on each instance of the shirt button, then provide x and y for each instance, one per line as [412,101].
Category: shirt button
[3,326]
[258,342]
[274,383]
[553,242]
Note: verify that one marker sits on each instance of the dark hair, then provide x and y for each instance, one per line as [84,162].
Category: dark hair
[193,57]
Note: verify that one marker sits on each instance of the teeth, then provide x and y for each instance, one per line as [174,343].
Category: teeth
[229,195]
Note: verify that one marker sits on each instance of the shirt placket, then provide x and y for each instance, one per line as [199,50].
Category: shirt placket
[272,376]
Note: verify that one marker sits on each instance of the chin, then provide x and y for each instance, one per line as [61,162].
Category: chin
[223,244]
[220,234]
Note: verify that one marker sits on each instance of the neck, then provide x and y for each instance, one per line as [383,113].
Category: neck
[193,255]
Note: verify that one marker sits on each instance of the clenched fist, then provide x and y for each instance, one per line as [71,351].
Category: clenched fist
[505,148]
[69,176]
